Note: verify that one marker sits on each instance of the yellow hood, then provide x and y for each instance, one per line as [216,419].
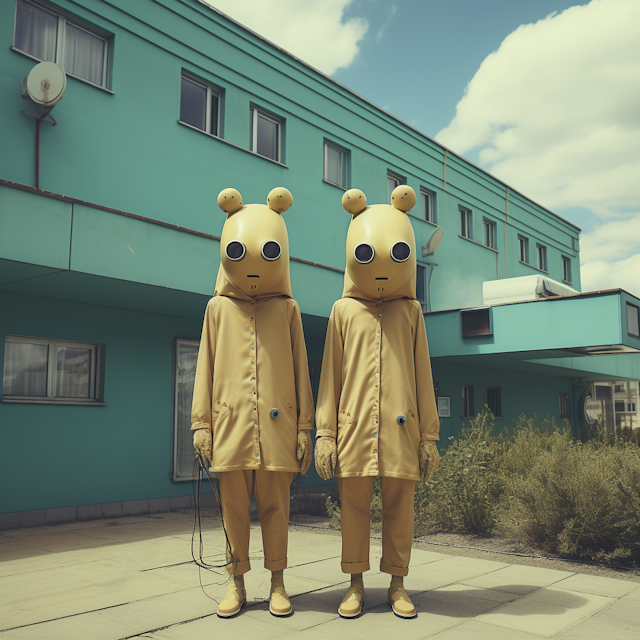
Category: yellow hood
[407,290]
[224,287]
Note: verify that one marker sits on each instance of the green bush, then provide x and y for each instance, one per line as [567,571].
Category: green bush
[536,486]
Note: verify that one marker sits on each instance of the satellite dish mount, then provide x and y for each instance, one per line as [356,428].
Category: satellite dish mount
[43,88]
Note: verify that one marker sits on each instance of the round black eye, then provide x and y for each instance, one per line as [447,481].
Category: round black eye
[364,253]
[271,250]
[235,250]
[400,251]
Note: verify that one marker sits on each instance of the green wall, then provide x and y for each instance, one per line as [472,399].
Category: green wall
[125,148]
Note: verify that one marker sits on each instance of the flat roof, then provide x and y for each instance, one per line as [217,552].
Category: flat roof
[375,106]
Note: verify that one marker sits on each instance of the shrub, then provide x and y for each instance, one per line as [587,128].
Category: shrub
[537,486]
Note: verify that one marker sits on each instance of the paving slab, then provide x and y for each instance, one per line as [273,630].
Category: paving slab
[519,579]
[547,611]
[597,586]
[134,577]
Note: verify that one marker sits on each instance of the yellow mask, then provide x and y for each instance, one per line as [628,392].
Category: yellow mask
[381,246]
[254,245]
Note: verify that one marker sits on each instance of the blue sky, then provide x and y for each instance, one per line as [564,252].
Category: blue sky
[433,48]
[544,94]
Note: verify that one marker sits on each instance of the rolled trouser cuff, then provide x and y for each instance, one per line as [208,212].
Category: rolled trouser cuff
[394,571]
[239,568]
[354,567]
[275,565]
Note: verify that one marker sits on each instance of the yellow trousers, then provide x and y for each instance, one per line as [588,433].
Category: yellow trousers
[271,489]
[397,523]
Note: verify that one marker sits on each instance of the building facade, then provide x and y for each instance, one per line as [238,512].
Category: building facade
[109,247]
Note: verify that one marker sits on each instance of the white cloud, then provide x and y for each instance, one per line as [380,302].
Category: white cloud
[555,112]
[610,256]
[312,31]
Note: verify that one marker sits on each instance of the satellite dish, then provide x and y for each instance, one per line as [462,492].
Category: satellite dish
[46,84]
[434,242]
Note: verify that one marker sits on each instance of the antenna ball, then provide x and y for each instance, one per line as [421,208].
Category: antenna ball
[230,200]
[354,201]
[279,199]
[403,197]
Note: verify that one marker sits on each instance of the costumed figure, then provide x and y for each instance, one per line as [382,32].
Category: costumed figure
[376,412]
[252,408]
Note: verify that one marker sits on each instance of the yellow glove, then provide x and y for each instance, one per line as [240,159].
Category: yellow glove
[429,460]
[326,457]
[202,443]
[304,451]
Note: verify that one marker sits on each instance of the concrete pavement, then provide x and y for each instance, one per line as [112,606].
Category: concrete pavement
[133,578]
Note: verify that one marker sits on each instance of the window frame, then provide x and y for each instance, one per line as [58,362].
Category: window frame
[430,197]
[399,180]
[493,395]
[466,222]
[492,227]
[211,89]
[345,156]
[468,401]
[255,113]
[566,269]
[565,411]
[637,311]
[523,242]
[60,42]
[541,257]
[422,300]
[96,379]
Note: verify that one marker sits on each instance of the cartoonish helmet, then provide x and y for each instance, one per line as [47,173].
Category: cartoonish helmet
[254,245]
[381,245]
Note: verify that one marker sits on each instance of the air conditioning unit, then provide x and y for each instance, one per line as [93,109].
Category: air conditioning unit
[536,287]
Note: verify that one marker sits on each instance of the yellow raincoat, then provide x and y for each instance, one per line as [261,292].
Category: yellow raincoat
[252,360]
[376,392]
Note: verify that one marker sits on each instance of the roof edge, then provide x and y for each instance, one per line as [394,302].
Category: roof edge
[375,106]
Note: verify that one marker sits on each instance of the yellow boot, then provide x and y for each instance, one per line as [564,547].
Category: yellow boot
[279,603]
[234,600]
[352,603]
[399,600]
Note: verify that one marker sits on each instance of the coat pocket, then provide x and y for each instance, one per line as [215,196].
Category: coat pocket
[221,412]
[346,424]
[291,414]
[414,426]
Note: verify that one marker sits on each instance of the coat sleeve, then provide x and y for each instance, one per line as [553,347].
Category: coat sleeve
[428,413]
[330,378]
[203,385]
[304,395]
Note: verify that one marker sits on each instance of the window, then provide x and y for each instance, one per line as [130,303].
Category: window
[566,269]
[50,36]
[393,181]
[185,357]
[631,406]
[523,245]
[618,388]
[336,162]
[493,399]
[200,105]
[467,402]
[564,405]
[421,286]
[466,227]
[266,135]
[52,370]
[428,204]
[619,405]
[489,233]
[542,257]
[633,320]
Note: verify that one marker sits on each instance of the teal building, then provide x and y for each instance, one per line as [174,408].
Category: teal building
[109,248]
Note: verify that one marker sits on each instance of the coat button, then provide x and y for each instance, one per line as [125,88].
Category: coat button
[257,454]
[401,419]
[274,413]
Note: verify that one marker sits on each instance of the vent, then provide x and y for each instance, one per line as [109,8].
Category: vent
[476,322]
